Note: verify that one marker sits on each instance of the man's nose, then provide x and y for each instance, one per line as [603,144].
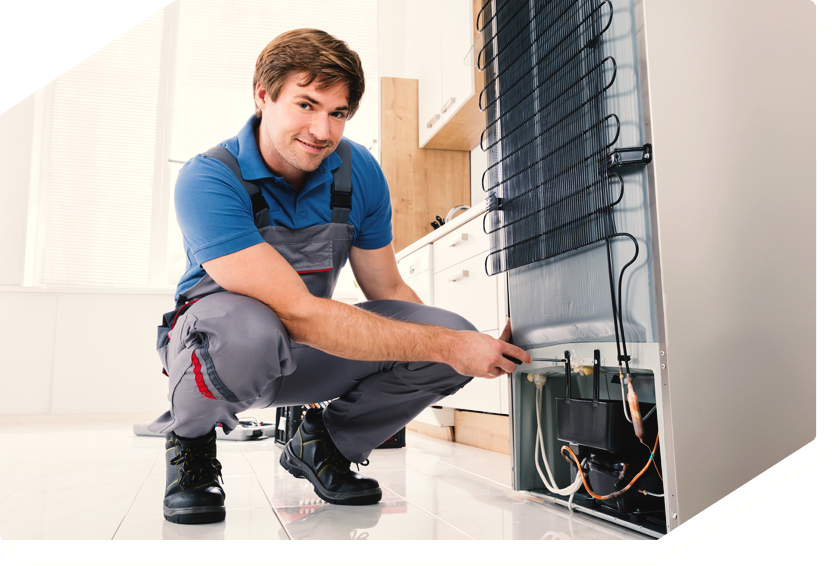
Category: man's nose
[319,126]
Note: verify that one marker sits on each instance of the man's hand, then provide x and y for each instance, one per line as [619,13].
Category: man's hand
[480,355]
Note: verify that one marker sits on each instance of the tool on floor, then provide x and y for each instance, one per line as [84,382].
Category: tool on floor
[248,429]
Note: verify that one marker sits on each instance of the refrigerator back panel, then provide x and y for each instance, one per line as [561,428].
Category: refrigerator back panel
[564,94]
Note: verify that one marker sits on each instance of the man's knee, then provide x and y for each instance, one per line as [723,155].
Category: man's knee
[454,321]
[238,341]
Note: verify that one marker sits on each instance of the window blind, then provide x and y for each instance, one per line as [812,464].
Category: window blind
[104,127]
[101,164]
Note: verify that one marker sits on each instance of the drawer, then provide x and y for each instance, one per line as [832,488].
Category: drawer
[466,289]
[423,285]
[416,262]
[464,242]
[478,395]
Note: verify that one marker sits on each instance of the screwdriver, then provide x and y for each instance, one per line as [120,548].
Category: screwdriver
[518,362]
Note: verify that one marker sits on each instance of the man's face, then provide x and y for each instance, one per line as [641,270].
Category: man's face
[301,127]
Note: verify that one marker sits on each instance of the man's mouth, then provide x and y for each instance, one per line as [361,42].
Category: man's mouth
[314,148]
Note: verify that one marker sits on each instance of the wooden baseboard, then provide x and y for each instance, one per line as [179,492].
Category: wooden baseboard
[482,430]
[441,432]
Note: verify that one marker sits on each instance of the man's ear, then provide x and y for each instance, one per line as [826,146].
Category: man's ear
[260,96]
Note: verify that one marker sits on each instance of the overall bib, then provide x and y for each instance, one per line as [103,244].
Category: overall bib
[225,353]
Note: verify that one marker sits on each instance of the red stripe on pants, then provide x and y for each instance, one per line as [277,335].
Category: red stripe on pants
[199,379]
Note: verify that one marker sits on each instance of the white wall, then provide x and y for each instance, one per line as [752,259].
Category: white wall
[16,132]
[398,42]
[77,352]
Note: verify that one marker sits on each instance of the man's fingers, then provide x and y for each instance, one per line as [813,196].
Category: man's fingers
[516,354]
[507,333]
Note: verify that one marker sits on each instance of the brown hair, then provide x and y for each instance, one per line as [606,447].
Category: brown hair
[325,58]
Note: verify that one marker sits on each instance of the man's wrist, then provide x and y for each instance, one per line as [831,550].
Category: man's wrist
[443,350]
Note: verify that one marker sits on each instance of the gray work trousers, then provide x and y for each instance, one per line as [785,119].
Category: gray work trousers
[229,353]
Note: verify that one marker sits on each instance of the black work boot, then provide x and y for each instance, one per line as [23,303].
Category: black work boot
[311,454]
[193,494]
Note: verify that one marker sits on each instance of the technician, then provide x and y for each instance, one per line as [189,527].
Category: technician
[269,218]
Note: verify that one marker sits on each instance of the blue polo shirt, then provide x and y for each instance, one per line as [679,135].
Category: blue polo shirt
[215,214]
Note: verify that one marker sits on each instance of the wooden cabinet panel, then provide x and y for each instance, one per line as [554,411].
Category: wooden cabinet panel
[423,183]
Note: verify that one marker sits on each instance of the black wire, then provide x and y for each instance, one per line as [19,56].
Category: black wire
[620,296]
[612,293]
[618,316]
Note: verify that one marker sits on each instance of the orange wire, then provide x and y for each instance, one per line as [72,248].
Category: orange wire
[654,464]
[617,493]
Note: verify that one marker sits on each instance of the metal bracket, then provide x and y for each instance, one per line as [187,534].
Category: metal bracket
[626,156]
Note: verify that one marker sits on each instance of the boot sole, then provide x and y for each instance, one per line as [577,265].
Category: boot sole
[299,469]
[194,515]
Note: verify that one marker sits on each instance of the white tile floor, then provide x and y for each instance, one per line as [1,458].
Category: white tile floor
[99,481]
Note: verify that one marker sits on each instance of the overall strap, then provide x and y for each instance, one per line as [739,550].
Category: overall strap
[341,194]
[260,207]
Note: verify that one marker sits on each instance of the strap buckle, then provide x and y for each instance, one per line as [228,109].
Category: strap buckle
[341,200]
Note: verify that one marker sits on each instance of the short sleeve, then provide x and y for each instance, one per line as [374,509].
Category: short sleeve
[376,229]
[213,210]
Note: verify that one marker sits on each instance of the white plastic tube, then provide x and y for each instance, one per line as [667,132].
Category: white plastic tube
[550,483]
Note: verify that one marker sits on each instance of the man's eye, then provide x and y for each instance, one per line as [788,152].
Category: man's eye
[305,105]
[339,114]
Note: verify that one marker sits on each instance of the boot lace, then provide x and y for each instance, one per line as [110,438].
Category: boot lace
[196,463]
[335,459]
[338,461]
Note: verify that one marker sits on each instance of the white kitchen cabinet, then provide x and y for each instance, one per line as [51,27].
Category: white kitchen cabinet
[458,74]
[462,243]
[416,271]
[465,289]
[430,83]
[446,81]
[478,395]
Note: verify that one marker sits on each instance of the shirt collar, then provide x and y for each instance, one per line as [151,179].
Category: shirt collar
[253,167]
[250,161]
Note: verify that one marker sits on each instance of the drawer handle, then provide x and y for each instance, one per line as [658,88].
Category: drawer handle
[455,241]
[412,269]
[459,275]
[432,121]
[448,104]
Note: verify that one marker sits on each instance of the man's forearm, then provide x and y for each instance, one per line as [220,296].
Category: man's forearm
[350,332]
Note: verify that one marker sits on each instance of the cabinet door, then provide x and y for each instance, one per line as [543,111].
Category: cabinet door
[466,290]
[423,286]
[462,243]
[458,75]
[430,78]
[478,395]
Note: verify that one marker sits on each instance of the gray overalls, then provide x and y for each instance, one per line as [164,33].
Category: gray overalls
[226,353]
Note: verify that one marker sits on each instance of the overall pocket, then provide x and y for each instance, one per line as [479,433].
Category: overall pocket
[313,262]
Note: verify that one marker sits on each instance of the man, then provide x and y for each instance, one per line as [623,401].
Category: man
[269,218]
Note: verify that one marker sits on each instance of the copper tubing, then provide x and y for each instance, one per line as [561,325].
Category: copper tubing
[635,411]
[617,493]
